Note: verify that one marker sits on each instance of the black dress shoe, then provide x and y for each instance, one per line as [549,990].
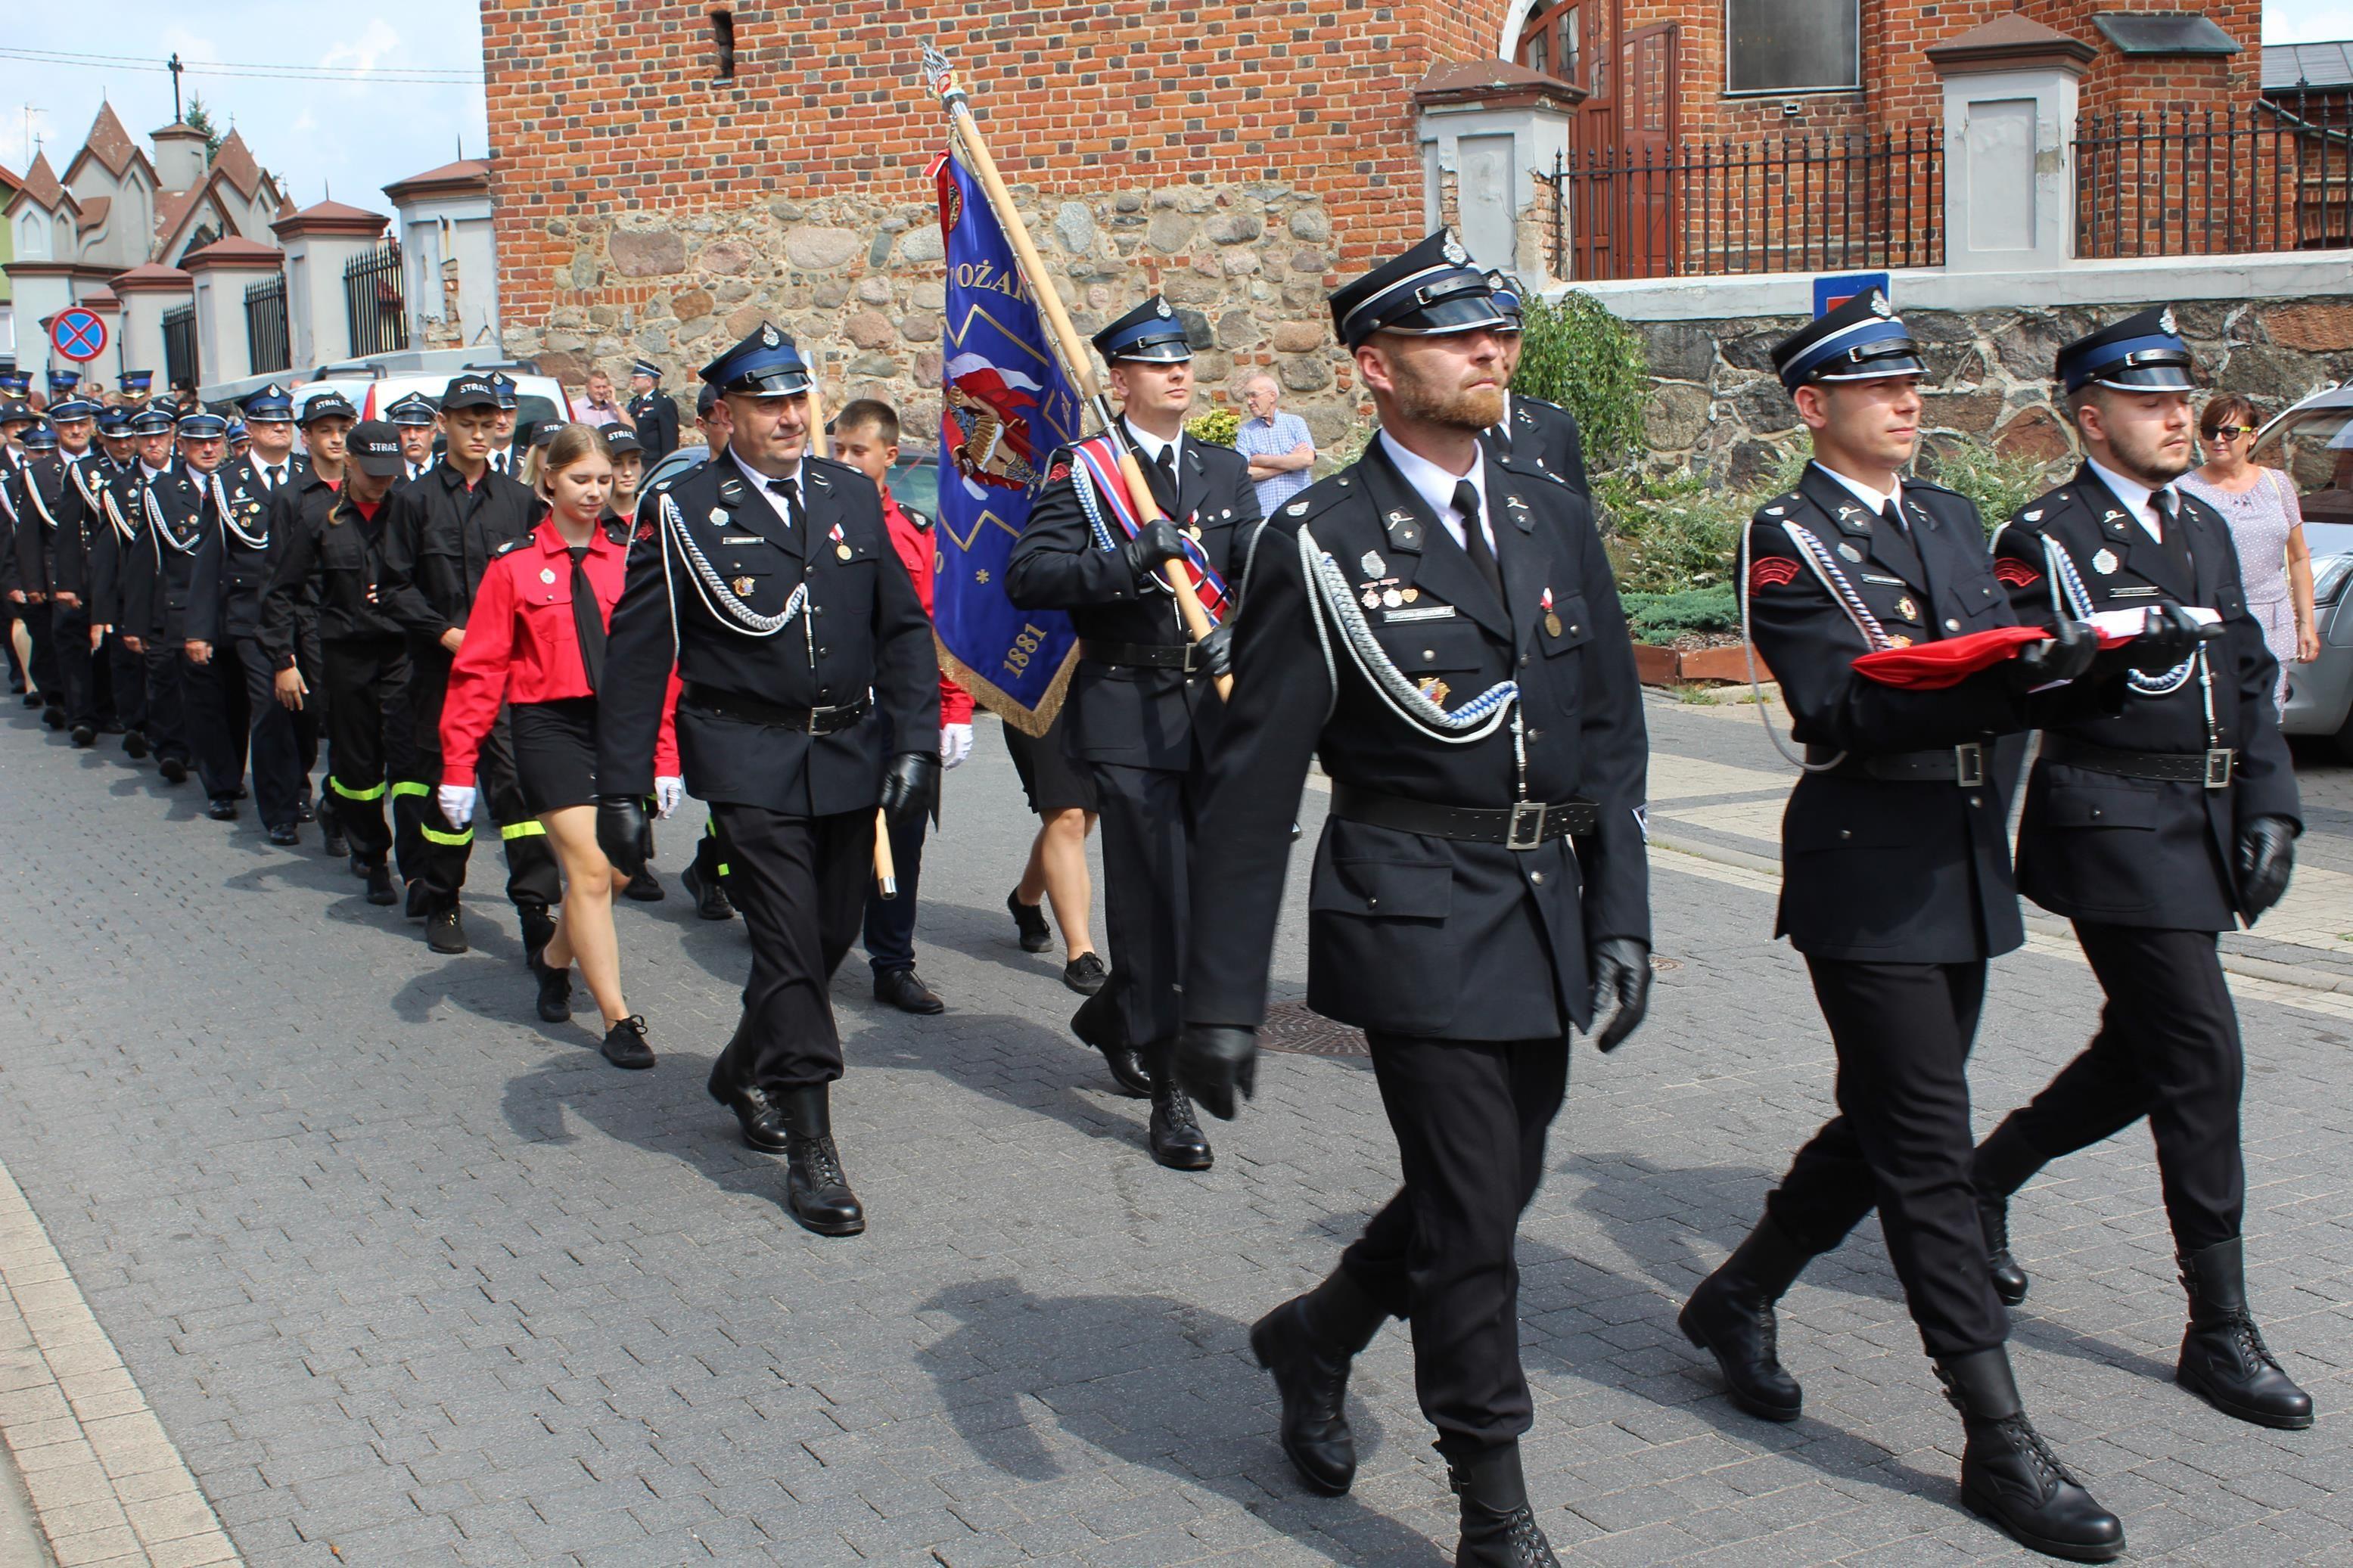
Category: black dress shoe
[380,890]
[906,990]
[1311,1373]
[1094,1024]
[755,1112]
[2009,1280]
[305,811]
[286,836]
[223,808]
[32,700]
[1176,1138]
[1085,974]
[418,902]
[2224,1360]
[1499,1528]
[1730,1316]
[625,1043]
[85,735]
[135,744]
[2011,1477]
[54,717]
[173,769]
[1028,923]
[445,932]
[817,1194]
[710,899]
[646,888]
[554,990]
[331,842]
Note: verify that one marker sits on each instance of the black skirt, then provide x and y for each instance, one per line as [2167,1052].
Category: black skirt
[1052,781]
[556,752]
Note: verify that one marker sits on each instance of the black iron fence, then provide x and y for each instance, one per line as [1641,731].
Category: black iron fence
[372,300]
[2207,184]
[180,367]
[1792,203]
[267,343]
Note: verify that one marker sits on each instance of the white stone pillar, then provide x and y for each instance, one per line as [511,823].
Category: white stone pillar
[219,273]
[319,241]
[146,292]
[1495,126]
[2010,89]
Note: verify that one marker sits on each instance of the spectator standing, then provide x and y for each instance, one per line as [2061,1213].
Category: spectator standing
[1281,451]
[602,411]
[2266,531]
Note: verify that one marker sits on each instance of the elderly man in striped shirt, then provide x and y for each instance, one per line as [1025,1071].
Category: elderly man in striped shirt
[1280,450]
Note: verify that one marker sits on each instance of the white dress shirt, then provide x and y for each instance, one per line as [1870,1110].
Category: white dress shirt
[1435,486]
[1877,501]
[2136,498]
[759,482]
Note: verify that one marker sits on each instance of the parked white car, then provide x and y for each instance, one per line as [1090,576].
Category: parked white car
[2312,442]
[538,397]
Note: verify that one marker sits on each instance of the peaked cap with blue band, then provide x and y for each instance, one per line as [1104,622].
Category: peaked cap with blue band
[413,410]
[2143,352]
[766,363]
[151,421]
[68,410]
[63,381]
[1430,291]
[1150,332]
[202,426]
[1510,297]
[1862,339]
[15,383]
[15,413]
[272,401]
[135,383]
[646,367]
[41,438]
[115,423]
[502,387]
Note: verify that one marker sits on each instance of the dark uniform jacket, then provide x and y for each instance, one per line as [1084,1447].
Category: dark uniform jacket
[1406,933]
[438,535]
[52,533]
[233,562]
[655,415]
[324,552]
[2096,846]
[861,630]
[1137,716]
[1877,871]
[1546,435]
[116,540]
[158,596]
[11,575]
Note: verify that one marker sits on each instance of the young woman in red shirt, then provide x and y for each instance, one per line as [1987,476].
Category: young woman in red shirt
[536,642]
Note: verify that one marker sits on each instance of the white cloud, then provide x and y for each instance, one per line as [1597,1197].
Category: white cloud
[2305,21]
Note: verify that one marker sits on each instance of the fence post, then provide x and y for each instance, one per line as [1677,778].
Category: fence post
[2009,90]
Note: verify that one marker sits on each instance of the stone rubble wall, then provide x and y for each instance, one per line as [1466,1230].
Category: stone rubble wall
[1718,410]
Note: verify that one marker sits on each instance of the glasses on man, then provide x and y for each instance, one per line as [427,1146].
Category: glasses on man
[2231,432]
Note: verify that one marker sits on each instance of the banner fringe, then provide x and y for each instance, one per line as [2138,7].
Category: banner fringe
[1031,722]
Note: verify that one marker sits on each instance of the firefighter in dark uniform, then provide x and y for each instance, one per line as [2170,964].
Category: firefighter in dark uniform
[1530,429]
[412,416]
[137,598]
[135,387]
[1438,624]
[308,494]
[60,492]
[438,533]
[28,563]
[180,513]
[232,568]
[115,537]
[16,418]
[652,413]
[1143,708]
[767,578]
[1896,887]
[2153,830]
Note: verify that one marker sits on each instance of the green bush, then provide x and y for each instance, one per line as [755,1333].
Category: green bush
[1668,533]
[1662,618]
[1576,354]
[1216,426]
[2000,485]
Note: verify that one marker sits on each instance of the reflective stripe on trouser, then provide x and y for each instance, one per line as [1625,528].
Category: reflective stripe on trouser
[532,877]
[366,681]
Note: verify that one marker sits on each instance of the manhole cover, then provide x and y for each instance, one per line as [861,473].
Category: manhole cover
[1291,1028]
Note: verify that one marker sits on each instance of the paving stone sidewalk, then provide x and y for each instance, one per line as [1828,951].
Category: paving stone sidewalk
[412,1279]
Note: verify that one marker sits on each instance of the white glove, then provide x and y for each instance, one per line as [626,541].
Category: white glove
[667,793]
[457,803]
[956,744]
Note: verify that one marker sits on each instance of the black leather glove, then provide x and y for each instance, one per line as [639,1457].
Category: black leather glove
[911,784]
[2267,855]
[1217,652]
[622,832]
[1621,968]
[2171,637]
[1213,1061]
[1152,547]
[2067,653]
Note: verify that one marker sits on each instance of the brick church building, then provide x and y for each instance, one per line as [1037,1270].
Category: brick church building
[666,174]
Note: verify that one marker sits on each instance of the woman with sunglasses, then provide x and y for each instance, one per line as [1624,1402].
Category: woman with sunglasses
[2266,526]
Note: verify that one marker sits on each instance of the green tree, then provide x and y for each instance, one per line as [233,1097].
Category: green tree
[199,118]
[1574,353]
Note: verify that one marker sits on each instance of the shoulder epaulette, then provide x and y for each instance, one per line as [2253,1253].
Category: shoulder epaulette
[1780,507]
[511,544]
[1316,499]
[918,515]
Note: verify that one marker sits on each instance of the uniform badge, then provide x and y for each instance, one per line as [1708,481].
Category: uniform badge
[1160,308]
[1391,599]
[1062,471]
[1849,552]
[547,574]
[741,586]
[1374,566]
[718,516]
[1772,511]
[2011,573]
[1906,610]
[1294,509]
[1772,571]
[843,551]
[1899,641]
[769,337]
[2167,322]
[1412,594]
[1552,624]
[645,531]
[1372,598]
[1879,307]
[1452,250]
[1436,689]
[2104,562]
[2034,516]
[2112,515]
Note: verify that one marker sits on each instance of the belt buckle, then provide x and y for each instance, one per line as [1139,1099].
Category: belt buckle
[1968,764]
[1192,651]
[2217,766]
[1529,812]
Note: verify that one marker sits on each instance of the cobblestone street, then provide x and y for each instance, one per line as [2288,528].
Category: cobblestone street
[408,1277]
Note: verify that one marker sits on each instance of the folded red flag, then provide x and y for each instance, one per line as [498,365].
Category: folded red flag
[1932,666]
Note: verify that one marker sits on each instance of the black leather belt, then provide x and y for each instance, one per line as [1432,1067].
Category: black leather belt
[2210,768]
[1522,826]
[1963,764]
[1152,655]
[751,711]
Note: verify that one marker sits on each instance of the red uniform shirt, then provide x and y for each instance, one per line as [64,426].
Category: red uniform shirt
[522,645]
[915,547]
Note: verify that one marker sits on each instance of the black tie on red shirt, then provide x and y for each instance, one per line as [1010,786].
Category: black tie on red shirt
[587,620]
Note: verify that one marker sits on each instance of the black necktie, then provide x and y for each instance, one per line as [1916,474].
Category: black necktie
[588,621]
[1893,516]
[2176,539]
[1167,466]
[1474,538]
[792,494]
[275,475]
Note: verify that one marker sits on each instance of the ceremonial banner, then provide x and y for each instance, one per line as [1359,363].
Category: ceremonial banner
[1008,408]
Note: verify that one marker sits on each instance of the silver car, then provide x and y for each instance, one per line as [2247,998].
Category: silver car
[2312,442]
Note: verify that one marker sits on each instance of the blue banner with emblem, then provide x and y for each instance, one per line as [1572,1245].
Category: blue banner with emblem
[1006,408]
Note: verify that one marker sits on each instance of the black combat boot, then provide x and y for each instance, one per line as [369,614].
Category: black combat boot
[710,899]
[1097,1022]
[1499,1528]
[2011,1477]
[538,930]
[1177,1140]
[1307,1344]
[1730,1316]
[817,1194]
[2224,1360]
[2004,1163]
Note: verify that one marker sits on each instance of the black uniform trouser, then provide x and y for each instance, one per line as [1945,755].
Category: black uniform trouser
[372,745]
[1471,1118]
[129,671]
[77,673]
[1902,1142]
[212,702]
[280,785]
[711,853]
[532,875]
[1146,834]
[167,707]
[799,883]
[891,923]
[2167,1049]
[38,627]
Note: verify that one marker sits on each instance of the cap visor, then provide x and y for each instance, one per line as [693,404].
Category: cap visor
[2149,378]
[1462,313]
